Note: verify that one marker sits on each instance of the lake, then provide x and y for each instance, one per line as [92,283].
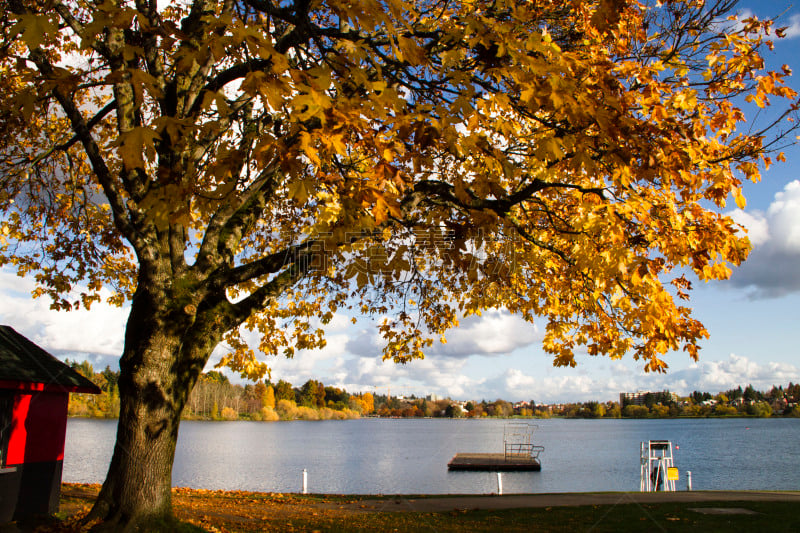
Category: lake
[409,456]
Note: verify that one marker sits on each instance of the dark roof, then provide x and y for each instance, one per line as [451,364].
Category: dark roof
[23,361]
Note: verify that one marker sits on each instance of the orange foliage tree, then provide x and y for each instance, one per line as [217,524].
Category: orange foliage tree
[260,164]
[367,403]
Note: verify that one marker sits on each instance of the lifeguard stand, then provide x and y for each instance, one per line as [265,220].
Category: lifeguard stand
[658,472]
[518,441]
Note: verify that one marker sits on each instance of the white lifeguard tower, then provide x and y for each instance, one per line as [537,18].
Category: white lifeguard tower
[658,472]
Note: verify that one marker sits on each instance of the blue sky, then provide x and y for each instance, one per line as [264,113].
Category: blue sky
[752,318]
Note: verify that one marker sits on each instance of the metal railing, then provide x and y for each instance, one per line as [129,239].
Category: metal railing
[518,441]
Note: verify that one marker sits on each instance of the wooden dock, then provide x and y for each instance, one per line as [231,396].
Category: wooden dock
[494,462]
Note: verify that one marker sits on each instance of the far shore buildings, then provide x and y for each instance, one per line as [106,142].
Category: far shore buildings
[638,397]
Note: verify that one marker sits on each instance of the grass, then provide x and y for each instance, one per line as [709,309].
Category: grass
[240,511]
[670,517]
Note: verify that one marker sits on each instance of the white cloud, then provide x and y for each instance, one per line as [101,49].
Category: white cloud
[310,364]
[784,217]
[756,225]
[163,4]
[516,380]
[366,343]
[420,377]
[773,268]
[98,332]
[605,383]
[716,376]
[340,322]
[495,332]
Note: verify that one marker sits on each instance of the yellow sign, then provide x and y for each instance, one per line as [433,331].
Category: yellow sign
[672,474]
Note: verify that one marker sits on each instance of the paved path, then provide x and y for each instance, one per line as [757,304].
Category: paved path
[515,501]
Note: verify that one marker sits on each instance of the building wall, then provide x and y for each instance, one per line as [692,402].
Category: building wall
[30,473]
[635,398]
[38,428]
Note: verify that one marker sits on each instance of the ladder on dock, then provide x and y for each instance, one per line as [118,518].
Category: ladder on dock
[518,441]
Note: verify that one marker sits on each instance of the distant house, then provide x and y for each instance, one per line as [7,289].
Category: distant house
[638,397]
[34,396]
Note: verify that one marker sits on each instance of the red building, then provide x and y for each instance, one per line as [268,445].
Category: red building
[34,393]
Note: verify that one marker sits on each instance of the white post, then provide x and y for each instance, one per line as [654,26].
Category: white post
[305,481]
[689,480]
[499,483]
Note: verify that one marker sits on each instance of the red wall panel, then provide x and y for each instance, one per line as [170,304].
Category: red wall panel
[39,425]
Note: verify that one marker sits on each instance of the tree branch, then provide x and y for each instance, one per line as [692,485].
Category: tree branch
[240,311]
[78,27]
[94,121]
[227,225]
[270,264]
[83,132]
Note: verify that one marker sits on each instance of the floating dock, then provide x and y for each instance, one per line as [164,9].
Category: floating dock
[519,453]
[494,462]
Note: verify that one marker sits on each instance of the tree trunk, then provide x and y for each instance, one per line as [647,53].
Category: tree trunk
[138,486]
[158,369]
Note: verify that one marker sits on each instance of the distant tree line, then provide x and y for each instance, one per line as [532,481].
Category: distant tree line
[777,401]
[216,398]
[103,405]
[446,408]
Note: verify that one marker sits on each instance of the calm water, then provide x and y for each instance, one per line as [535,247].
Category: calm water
[383,456]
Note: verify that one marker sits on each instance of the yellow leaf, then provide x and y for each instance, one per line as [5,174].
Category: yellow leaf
[309,150]
[136,145]
[741,202]
[33,29]
[298,191]
[410,51]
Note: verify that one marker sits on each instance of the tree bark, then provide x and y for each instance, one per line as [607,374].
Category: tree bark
[137,489]
[158,369]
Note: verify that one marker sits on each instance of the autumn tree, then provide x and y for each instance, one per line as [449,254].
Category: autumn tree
[336,397]
[268,399]
[257,392]
[500,408]
[283,390]
[259,165]
[453,411]
[312,394]
[367,403]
